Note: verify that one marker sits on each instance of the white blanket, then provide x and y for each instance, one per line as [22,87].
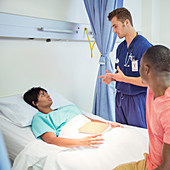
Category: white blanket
[121,145]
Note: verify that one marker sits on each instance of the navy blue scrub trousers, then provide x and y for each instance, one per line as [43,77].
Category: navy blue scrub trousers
[131,109]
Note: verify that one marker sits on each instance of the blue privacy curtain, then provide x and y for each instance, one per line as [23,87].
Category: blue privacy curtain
[104,97]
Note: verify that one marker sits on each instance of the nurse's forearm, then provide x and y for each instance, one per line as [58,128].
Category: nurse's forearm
[120,76]
[135,81]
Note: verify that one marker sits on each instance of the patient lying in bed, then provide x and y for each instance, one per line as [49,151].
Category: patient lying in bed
[47,123]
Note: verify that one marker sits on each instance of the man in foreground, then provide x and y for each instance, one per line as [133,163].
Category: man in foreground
[155,71]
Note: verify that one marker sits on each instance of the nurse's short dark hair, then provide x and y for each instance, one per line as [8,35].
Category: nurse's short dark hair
[122,14]
[32,95]
[158,57]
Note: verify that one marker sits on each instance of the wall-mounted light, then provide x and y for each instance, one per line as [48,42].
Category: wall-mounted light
[55,30]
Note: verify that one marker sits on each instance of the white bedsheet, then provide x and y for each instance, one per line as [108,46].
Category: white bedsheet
[16,138]
[121,145]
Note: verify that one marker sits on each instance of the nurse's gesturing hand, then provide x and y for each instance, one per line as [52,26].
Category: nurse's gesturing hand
[118,76]
[107,78]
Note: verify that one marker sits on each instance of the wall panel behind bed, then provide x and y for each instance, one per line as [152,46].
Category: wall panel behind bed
[61,65]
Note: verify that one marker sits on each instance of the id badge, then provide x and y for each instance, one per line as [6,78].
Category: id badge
[135,65]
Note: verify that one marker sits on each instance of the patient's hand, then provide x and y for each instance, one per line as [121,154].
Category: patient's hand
[92,141]
[115,124]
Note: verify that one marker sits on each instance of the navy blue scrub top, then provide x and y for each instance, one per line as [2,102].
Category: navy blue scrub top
[138,47]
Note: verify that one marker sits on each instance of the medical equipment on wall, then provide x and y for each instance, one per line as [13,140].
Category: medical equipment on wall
[24,27]
[91,46]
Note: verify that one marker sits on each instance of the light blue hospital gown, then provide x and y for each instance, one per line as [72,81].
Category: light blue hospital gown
[53,121]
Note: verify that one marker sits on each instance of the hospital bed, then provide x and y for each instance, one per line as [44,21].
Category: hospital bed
[121,145]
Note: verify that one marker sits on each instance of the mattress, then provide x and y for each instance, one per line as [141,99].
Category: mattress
[16,138]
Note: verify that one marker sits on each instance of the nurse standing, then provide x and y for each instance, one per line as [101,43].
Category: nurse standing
[130,102]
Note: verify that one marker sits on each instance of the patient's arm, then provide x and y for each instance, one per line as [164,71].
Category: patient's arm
[89,141]
[113,124]
[165,158]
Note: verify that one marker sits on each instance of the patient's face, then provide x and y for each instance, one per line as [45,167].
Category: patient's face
[44,100]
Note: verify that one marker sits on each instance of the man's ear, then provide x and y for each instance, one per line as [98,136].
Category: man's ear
[126,22]
[147,69]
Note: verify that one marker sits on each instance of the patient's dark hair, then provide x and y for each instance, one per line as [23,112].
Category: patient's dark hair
[122,14]
[159,58]
[32,95]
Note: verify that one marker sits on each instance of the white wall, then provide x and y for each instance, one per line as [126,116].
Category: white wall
[67,10]
[67,66]
[64,66]
[134,6]
[151,17]
[155,21]
[165,22]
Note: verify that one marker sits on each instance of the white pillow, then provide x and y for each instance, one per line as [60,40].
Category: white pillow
[17,111]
